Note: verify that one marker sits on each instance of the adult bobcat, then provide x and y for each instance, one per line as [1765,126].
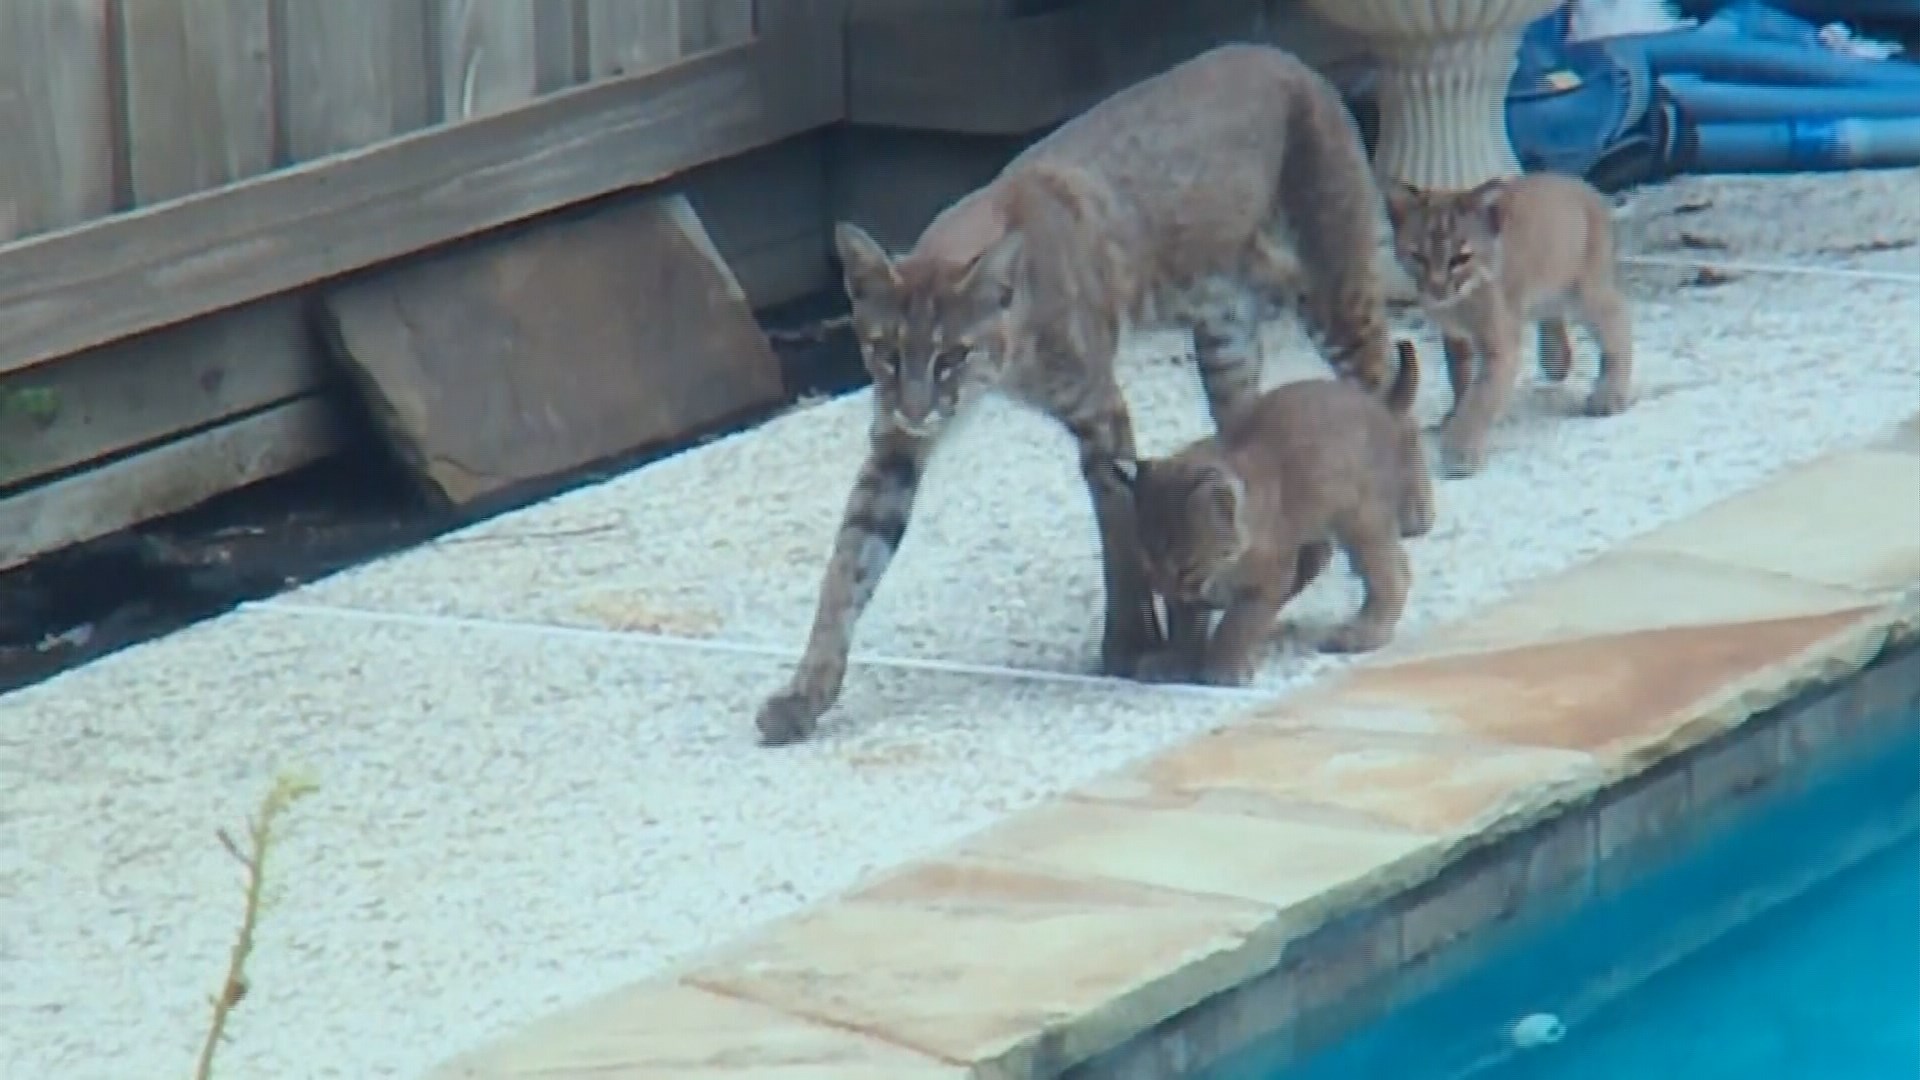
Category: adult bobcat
[1205,197]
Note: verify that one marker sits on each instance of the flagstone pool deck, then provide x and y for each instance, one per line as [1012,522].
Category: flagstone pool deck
[1069,928]
[538,779]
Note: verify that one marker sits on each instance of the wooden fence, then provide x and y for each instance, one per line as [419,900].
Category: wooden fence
[109,105]
[181,175]
[183,178]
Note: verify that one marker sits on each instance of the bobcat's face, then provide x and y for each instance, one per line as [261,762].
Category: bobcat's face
[1448,242]
[932,335]
[1188,521]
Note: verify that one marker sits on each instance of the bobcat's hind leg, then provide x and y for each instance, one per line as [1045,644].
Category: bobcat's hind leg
[1225,321]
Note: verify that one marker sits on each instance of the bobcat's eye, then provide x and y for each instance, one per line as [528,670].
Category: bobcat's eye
[1460,259]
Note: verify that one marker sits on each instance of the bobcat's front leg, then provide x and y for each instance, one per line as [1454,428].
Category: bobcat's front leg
[1239,643]
[871,529]
[1465,433]
[1104,431]
[1179,660]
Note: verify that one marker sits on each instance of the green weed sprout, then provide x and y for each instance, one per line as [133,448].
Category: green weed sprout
[288,788]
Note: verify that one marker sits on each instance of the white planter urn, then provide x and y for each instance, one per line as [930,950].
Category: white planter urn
[1444,66]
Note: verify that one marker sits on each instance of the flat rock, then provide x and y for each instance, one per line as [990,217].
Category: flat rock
[523,357]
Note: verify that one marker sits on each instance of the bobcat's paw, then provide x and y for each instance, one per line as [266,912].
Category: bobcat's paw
[787,717]
[1357,636]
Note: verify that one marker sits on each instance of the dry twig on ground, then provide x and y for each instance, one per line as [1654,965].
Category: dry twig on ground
[287,789]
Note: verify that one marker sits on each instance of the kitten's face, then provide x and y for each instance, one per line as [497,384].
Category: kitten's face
[1448,242]
[932,335]
[1188,519]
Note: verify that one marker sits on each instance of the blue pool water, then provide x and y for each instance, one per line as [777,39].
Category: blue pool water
[1826,987]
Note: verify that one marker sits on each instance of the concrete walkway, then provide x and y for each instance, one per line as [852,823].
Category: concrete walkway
[534,738]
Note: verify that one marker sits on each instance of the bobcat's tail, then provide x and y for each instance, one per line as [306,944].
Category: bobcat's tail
[1406,382]
[1332,204]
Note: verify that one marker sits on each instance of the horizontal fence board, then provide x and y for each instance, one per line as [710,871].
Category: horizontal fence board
[165,480]
[81,287]
[198,77]
[111,399]
[57,153]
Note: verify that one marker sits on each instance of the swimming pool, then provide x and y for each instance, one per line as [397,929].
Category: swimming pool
[1778,942]
[1827,985]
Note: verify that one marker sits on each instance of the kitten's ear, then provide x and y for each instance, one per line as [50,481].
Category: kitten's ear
[1221,495]
[992,276]
[1402,199]
[864,264]
[1488,202]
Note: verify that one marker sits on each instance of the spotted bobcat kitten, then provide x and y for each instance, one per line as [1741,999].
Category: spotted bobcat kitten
[1242,521]
[1204,198]
[1487,261]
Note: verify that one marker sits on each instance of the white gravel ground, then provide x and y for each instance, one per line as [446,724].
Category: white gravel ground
[512,818]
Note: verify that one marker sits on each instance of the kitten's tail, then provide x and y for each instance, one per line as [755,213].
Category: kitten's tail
[1406,382]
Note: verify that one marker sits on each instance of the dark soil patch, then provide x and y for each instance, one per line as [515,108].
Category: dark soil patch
[70,607]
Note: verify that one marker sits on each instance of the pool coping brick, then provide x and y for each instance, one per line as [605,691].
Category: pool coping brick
[1280,866]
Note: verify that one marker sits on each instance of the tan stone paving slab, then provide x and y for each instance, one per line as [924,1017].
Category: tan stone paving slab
[1439,786]
[666,1031]
[1849,520]
[1014,970]
[1298,867]
[1625,592]
[1614,658]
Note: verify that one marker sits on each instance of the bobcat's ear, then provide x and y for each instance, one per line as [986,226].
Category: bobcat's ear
[992,277]
[1221,496]
[1488,202]
[867,269]
[1402,199]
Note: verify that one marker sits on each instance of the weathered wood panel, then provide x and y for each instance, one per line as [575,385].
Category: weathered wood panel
[560,33]
[198,77]
[109,400]
[495,54]
[768,213]
[625,37]
[129,273]
[705,24]
[57,159]
[166,480]
[350,74]
[993,75]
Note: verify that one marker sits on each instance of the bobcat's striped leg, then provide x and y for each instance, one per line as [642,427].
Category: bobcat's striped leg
[1104,431]
[871,529]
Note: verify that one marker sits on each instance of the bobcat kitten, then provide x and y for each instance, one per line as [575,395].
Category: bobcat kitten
[1489,260]
[1242,521]
[1198,198]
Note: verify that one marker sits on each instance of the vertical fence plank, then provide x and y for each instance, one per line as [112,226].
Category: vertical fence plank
[199,93]
[709,24]
[489,56]
[56,114]
[627,36]
[354,73]
[559,31]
